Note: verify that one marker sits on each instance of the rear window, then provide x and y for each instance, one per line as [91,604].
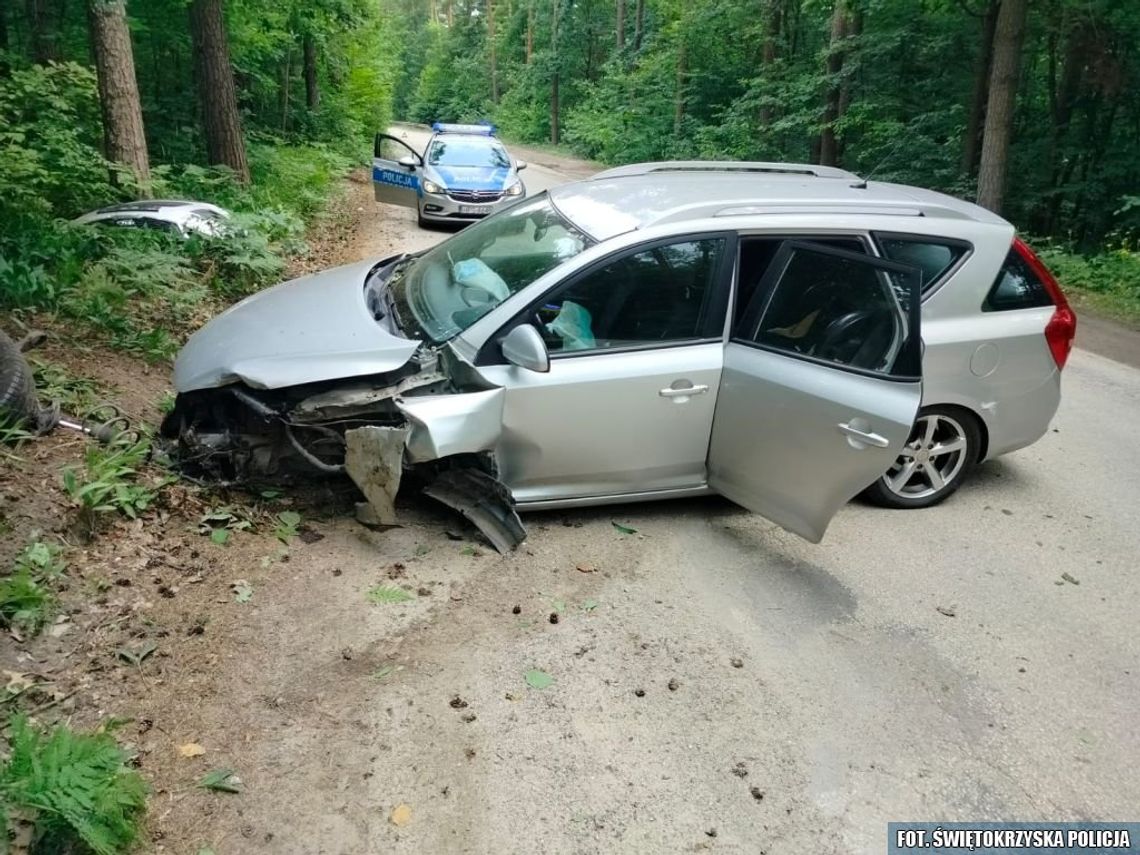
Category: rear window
[934,258]
[1016,287]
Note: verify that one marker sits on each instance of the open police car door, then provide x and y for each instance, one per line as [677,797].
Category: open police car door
[396,168]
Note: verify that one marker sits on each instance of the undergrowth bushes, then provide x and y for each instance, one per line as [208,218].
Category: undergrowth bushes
[141,288]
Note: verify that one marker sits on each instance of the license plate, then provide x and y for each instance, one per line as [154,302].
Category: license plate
[474,209]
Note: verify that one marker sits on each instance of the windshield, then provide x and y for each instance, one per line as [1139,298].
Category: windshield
[468,151]
[458,281]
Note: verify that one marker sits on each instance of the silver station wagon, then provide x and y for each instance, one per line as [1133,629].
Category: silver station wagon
[786,335]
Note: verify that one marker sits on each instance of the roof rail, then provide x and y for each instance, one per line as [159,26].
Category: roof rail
[732,166]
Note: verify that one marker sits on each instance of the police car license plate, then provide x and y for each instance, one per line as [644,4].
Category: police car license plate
[474,209]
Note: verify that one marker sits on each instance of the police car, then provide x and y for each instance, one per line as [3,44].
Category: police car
[464,174]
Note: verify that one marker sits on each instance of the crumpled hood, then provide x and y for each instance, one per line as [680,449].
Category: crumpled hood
[469,177]
[310,329]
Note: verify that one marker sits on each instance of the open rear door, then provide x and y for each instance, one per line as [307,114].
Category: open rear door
[821,385]
[396,168]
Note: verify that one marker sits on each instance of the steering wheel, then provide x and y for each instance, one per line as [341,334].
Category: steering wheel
[476,297]
[842,333]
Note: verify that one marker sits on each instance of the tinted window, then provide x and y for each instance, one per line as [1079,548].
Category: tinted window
[836,309]
[1016,287]
[656,296]
[933,258]
[757,253]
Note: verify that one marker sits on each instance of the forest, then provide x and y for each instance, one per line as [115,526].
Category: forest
[1031,108]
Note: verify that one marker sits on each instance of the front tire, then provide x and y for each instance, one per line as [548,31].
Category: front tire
[938,457]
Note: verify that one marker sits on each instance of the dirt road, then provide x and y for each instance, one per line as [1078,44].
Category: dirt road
[717,684]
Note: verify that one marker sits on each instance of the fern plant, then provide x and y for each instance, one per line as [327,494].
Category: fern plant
[62,790]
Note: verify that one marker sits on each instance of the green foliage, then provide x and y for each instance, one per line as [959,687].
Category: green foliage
[1109,280]
[110,482]
[74,789]
[76,395]
[387,594]
[27,601]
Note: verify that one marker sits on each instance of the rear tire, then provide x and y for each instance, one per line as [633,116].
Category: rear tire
[940,454]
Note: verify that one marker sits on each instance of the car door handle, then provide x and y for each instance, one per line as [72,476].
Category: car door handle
[686,391]
[865,436]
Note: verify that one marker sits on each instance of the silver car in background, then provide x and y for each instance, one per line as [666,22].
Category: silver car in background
[785,335]
[464,174]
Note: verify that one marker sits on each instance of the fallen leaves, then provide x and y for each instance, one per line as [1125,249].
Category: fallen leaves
[191,749]
[624,529]
[948,611]
[401,815]
[135,655]
[221,781]
[538,679]
[586,567]
[243,591]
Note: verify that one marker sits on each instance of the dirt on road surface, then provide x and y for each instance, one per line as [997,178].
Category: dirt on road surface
[666,677]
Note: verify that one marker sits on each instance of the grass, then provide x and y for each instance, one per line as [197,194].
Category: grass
[110,482]
[63,791]
[27,598]
[1108,282]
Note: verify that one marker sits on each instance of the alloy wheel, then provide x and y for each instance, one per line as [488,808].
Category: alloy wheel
[932,459]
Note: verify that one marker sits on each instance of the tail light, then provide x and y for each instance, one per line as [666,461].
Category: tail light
[1062,327]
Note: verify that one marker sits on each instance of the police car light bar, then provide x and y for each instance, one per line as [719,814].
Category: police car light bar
[483,129]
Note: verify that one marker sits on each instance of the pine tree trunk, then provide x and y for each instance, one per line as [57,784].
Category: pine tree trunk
[981,90]
[770,51]
[828,146]
[530,32]
[312,89]
[679,92]
[5,39]
[639,24]
[45,46]
[123,133]
[216,94]
[620,26]
[555,107]
[1008,38]
[491,45]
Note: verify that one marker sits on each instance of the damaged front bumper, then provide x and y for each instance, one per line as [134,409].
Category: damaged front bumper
[374,430]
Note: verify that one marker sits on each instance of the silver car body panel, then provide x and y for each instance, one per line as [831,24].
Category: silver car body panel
[445,425]
[597,424]
[777,447]
[276,338]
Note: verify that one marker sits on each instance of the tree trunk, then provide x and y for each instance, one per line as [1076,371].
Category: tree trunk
[5,39]
[679,93]
[1008,37]
[638,24]
[216,94]
[284,88]
[770,51]
[312,88]
[44,41]
[620,27]
[530,32]
[555,114]
[491,45]
[828,145]
[981,90]
[123,134]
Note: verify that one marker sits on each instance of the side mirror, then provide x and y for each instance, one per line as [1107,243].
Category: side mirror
[520,165]
[524,347]
[407,161]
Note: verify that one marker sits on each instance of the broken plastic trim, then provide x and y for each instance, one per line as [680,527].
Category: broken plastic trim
[484,501]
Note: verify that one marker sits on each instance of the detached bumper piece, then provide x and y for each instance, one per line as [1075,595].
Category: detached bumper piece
[482,500]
